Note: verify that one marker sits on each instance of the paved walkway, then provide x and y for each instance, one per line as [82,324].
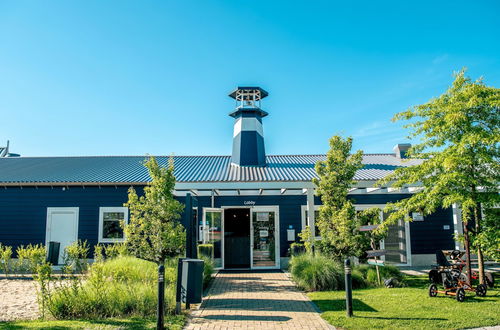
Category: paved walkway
[266,300]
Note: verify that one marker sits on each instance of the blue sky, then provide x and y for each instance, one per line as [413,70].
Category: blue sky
[138,77]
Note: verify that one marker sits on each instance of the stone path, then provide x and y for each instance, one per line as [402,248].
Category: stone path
[250,300]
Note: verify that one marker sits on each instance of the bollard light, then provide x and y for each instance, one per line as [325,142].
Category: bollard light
[161,298]
[348,287]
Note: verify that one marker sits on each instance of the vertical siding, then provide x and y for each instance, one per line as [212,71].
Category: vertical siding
[23,214]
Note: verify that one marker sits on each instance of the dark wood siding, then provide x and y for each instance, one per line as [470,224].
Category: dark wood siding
[23,213]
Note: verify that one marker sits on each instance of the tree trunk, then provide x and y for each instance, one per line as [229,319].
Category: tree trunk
[467,253]
[480,261]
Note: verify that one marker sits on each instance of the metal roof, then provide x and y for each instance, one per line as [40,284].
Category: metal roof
[130,169]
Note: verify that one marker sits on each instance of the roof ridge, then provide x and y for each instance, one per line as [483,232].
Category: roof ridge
[178,156]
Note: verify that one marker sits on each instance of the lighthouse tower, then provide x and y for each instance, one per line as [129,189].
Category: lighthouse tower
[248,136]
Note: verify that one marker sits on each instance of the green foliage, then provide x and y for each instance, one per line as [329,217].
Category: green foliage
[338,221]
[99,255]
[489,237]
[206,250]
[407,308]
[369,273]
[208,270]
[320,273]
[459,134]
[297,248]
[172,322]
[42,275]
[5,258]
[122,286]
[115,249]
[29,257]
[75,257]
[154,232]
[307,239]
[316,273]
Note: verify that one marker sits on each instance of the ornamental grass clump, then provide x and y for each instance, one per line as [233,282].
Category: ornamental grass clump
[316,273]
[120,287]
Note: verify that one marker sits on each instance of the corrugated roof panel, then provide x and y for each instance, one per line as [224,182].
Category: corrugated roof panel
[121,169]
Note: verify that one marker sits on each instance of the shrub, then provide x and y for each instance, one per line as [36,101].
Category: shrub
[369,273]
[296,249]
[316,273]
[206,250]
[75,257]
[118,287]
[358,281]
[5,258]
[208,270]
[29,257]
[115,250]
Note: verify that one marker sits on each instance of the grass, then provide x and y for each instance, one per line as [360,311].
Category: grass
[171,322]
[408,308]
[119,287]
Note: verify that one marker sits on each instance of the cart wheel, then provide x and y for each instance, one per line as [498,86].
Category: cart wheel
[490,280]
[433,290]
[460,295]
[481,290]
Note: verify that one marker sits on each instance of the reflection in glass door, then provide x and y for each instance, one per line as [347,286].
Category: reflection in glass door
[263,238]
[213,234]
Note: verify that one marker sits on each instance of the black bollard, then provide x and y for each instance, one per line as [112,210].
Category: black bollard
[161,298]
[348,287]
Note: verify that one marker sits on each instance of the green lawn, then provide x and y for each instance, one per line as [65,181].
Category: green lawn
[171,322]
[409,307]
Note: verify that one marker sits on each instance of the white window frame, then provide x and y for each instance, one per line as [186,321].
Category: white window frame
[360,207]
[303,209]
[122,209]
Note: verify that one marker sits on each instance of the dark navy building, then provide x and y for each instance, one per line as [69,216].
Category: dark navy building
[251,206]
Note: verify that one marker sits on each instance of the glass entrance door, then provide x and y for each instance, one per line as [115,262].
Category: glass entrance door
[264,231]
[212,229]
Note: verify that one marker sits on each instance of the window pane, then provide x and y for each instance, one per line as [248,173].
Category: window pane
[264,253]
[111,228]
[214,224]
[395,242]
[316,217]
[113,216]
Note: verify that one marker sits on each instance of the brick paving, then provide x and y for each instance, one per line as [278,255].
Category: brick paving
[250,300]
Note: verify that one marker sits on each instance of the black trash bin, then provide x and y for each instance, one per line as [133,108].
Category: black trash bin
[53,253]
[192,281]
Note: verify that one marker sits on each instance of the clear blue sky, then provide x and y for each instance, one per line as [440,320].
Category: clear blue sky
[137,77]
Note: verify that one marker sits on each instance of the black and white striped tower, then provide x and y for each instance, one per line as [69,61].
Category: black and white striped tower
[248,136]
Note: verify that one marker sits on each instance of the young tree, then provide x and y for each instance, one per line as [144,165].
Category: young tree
[459,134]
[338,221]
[154,231]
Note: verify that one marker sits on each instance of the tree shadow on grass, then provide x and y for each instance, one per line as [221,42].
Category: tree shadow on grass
[131,323]
[335,305]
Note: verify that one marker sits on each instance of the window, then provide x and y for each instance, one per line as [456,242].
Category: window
[397,242]
[110,220]
[305,219]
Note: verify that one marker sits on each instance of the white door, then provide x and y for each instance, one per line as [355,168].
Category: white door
[62,227]
[264,237]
